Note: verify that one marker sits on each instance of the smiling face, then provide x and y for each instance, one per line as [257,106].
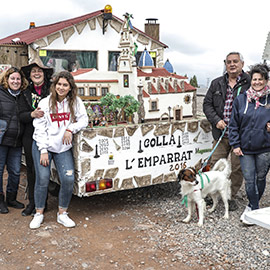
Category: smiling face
[258,82]
[234,65]
[62,88]
[14,81]
[37,76]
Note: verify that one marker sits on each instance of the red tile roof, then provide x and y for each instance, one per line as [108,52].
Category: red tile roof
[171,90]
[189,87]
[162,90]
[81,71]
[30,35]
[154,90]
[159,72]
[179,90]
[145,94]
[33,34]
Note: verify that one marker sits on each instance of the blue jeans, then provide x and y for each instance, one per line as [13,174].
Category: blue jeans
[65,168]
[254,169]
[10,156]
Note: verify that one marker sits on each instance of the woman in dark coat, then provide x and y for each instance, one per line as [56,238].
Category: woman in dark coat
[12,85]
[39,87]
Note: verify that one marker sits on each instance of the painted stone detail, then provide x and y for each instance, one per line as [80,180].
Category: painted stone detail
[86,147]
[178,126]
[131,130]
[205,125]
[127,183]
[154,46]
[98,173]
[108,132]
[146,128]
[89,134]
[192,126]
[119,132]
[67,33]
[41,43]
[92,24]
[116,184]
[80,27]
[143,180]
[142,39]
[86,166]
[158,179]
[170,177]
[111,173]
[53,37]
[116,25]
[162,129]
[117,147]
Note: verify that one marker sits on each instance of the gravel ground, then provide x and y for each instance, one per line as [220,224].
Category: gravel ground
[135,229]
[219,244]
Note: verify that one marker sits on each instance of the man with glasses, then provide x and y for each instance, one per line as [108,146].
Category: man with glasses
[217,107]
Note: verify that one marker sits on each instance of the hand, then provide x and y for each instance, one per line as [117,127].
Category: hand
[44,159]
[221,124]
[238,152]
[268,127]
[37,113]
[67,138]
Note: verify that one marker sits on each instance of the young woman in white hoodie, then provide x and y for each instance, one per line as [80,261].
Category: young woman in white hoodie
[64,115]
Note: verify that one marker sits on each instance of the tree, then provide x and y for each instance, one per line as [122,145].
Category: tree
[193,81]
[127,105]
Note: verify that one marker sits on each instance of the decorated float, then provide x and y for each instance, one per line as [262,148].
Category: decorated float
[151,129]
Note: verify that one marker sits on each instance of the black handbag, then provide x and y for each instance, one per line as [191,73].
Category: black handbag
[4,126]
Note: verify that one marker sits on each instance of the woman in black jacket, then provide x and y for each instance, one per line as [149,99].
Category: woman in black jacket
[39,87]
[12,84]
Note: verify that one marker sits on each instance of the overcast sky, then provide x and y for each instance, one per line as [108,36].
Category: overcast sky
[199,33]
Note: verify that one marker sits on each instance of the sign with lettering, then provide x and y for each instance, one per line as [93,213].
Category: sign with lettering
[139,155]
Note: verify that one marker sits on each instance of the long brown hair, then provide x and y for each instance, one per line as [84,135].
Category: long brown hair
[4,78]
[71,95]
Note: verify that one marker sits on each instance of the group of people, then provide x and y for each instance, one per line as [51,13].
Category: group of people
[237,105]
[42,114]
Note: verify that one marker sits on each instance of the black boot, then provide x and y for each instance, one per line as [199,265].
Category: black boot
[29,210]
[12,202]
[3,205]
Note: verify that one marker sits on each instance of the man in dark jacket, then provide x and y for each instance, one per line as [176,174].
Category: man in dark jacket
[217,107]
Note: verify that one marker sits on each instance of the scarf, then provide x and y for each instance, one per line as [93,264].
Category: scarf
[14,92]
[256,95]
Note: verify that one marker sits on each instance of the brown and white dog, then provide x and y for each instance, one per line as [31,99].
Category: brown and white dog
[213,183]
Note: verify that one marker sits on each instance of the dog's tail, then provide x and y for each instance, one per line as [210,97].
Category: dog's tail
[224,166]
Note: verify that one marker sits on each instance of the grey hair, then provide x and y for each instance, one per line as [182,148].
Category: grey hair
[238,53]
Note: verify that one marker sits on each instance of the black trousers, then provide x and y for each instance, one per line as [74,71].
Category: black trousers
[27,145]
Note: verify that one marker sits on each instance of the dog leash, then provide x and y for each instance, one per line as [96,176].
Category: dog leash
[219,140]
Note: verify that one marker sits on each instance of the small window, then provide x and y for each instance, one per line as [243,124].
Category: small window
[80,91]
[92,91]
[104,91]
[154,106]
[113,58]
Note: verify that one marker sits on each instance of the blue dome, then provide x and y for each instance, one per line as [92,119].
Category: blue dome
[168,66]
[146,60]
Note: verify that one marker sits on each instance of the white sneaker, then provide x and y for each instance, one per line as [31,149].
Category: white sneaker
[65,220]
[243,216]
[36,221]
